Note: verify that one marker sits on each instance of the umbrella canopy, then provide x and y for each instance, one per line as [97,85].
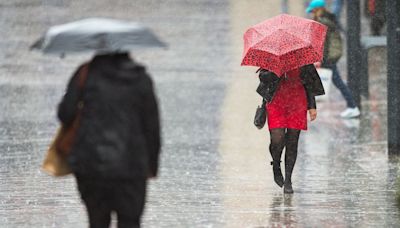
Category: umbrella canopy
[96,34]
[284,43]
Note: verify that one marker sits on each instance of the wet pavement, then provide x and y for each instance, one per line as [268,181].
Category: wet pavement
[190,84]
[214,166]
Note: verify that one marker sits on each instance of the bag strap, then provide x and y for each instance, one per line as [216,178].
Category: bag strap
[82,78]
[264,102]
[83,74]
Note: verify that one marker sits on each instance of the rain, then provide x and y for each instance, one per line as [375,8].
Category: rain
[215,164]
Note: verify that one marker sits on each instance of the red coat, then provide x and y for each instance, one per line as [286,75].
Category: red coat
[288,108]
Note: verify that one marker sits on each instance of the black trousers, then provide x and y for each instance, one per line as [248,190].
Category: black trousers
[102,197]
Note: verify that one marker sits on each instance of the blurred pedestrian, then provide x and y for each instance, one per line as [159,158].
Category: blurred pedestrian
[337,6]
[117,145]
[288,98]
[375,10]
[284,6]
[332,52]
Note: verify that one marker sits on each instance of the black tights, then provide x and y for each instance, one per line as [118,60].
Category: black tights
[289,138]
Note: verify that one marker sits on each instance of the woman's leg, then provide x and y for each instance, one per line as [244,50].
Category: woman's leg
[276,148]
[292,141]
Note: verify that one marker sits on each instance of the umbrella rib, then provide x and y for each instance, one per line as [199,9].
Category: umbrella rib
[298,37]
[308,45]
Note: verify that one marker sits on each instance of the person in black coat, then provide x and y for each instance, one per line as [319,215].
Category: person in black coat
[117,145]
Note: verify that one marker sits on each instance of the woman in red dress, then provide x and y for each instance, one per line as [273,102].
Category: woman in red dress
[289,98]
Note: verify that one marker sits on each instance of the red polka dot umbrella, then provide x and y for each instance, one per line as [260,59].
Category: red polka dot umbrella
[284,43]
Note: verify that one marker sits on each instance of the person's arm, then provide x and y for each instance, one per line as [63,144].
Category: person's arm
[307,81]
[68,107]
[311,103]
[330,22]
[151,124]
[268,84]
[311,106]
[313,114]
[307,78]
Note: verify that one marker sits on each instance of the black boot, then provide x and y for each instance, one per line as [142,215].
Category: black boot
[287,188]
[278,177]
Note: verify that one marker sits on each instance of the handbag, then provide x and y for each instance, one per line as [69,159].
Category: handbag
[261,115]
[325,74]
[55,162]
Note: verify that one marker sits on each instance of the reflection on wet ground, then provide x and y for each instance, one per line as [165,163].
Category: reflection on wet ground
[344,169]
